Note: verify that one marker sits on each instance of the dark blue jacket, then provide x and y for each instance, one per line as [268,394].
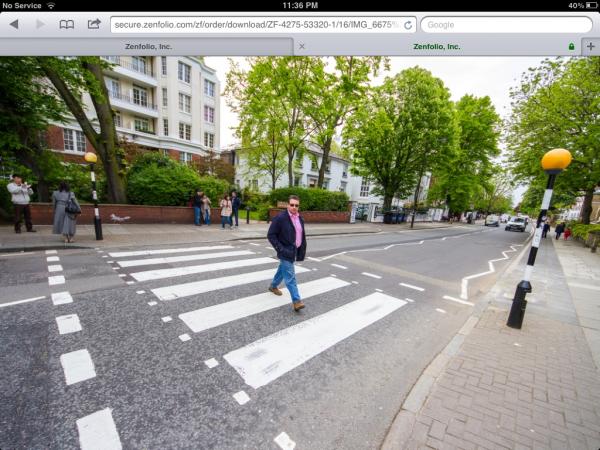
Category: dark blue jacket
[282,236]
[235,203]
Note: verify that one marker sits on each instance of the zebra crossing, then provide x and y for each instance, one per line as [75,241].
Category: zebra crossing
[266,359]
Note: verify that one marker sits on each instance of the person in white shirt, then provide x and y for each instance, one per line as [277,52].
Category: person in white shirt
[20,192]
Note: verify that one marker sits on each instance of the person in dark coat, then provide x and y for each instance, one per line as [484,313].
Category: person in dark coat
[64,223]
[197,204]
[559,230]
[288,238]
[545,229]
[235,206]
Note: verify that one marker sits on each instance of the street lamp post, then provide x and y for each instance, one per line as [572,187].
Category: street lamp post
[92,158]
[553,162]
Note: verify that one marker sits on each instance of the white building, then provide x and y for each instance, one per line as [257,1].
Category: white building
[163,103]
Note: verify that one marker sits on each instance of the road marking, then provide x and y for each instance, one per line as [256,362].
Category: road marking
[78,366]
[211,363]
[122,275]
[255,244]
[241,397]
[315,269]
[284,441]
[189,270]
[444,238]
[151,303]
[68,324]
[110,262]
[140,292]
[168,250]
[409,300]
[339,266]
[462,302]
[59,279]
[166,319]
[267,359]
[130,282]
[60,298]
[52,259]
[173,259]
[222,313]
[379,290]
[184,337]
[354,282]
[410,286]
[105,256]
[98,431]
[367,274]
[201,287]
[333,275]
[50,252]
[440,310]
[55,268]
[27,300]
[314,259]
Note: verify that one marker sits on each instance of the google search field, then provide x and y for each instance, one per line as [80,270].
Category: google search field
[521,24]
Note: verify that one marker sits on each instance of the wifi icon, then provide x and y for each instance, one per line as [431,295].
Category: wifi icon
[50,5]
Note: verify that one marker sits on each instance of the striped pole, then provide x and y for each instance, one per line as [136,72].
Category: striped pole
[97,223]
[517,310]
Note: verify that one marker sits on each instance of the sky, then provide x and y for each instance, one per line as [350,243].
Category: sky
[479,76]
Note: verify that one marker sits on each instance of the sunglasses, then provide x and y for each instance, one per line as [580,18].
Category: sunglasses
[294,205]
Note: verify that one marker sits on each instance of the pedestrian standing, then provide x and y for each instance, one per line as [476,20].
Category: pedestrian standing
[288,238]
[545,229]
[225,206]
[197,203]
[235,206]
[206,209]
[20,196]
[64,222]
[559,230]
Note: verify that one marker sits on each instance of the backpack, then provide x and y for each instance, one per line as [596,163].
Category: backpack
[71,207]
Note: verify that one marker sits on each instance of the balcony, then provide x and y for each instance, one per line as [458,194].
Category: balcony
[127,103]
[141,73]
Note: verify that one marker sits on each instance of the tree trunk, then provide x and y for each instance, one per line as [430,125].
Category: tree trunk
[326,148]
[586,209]
[417,189]
[291,153]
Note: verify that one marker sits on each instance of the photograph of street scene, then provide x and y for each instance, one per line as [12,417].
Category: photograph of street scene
[268,252]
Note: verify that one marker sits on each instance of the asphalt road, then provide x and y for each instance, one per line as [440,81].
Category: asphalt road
[122,352]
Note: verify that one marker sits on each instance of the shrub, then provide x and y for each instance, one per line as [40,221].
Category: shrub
[312,199]
[581,231]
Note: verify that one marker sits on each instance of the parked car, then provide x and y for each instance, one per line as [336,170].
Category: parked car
[516,223]
[492,221]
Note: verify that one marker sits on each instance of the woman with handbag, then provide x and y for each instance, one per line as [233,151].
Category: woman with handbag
[225,211]
[66,209]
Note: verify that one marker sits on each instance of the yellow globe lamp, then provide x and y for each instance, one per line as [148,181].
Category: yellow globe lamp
[90,157]
[557,160]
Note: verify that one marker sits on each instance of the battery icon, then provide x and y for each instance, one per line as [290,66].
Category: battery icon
[591,5]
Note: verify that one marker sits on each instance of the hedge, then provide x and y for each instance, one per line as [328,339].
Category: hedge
[312,199]
[581,231]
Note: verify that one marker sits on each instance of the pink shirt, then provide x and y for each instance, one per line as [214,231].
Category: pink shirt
[298,226]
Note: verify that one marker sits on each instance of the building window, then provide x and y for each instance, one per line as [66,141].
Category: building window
[185,157]
[165,97]
[209,88]
[297,179]
[142,124]
[325,184]
[114,88]
[364,188]
[209,114]
[343,185]
[185,131]
[345,171]
[313,164]
[328,166]
[312,182]
[254,184]
[113,59]
[183,72]
[140,96]
[185,103]
[209,140]
[118,119]
[74,140]
[139,64]
[166,127]
[163,64]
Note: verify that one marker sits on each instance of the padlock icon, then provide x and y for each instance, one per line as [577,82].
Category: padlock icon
[571,46]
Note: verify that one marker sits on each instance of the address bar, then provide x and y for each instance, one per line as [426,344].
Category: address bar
[521,24]
[274,24]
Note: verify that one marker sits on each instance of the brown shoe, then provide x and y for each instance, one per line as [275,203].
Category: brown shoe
[298,306]
[275,290]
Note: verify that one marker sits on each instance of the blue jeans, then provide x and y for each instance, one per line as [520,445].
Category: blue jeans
[286,272]
[235,214]
[224,220]
[207,217]
[196,215]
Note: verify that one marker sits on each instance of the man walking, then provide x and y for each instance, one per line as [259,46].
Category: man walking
[235,206]
[545,229]
[20,197]
[286,235]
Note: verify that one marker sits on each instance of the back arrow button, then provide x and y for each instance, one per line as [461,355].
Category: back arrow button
[15,24]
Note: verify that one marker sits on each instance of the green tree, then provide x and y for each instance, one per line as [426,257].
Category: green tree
[406,128]
[558,105]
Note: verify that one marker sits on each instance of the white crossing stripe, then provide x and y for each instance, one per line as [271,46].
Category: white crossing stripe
[184,337]
[462,302]
[440,310]
[213,316]
[140,292]
[166,319]
[284,441]
[267,359]
[167,251]
[50,252]
[60,298]
[371,275]
[55,268]
[98,431]
[189,270]
[200,287]
[68,324]
[59,279]
[212,362]
[241,397]
[410,286]
[78,366]
[339,266]
[52,259]
[172,259]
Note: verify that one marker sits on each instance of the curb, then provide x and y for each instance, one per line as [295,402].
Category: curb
[401,428]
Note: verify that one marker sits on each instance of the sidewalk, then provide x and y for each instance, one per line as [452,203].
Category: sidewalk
[497,387]
[165,234]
